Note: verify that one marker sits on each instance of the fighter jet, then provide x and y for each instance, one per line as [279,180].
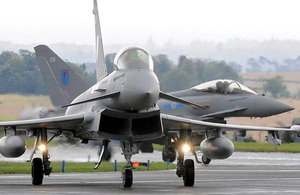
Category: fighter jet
[222,98]
[121,106]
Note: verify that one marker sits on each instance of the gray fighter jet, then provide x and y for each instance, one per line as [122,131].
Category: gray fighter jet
[121,106]
[221,98]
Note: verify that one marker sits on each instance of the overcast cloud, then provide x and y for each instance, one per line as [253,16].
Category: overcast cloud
[134,21]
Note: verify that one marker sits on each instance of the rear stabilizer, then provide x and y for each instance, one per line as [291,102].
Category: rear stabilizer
[62,83]
[100,58]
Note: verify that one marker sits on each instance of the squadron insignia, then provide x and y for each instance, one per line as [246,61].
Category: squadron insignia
[65,77]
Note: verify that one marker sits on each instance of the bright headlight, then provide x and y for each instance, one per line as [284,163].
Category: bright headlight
[42,147]
[186,148]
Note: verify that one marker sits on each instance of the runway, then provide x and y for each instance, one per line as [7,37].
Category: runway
[212,179]
[242,173]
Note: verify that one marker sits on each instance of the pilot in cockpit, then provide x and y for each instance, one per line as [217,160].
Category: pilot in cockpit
[221,86]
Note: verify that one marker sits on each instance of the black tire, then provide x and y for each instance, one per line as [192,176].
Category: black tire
[37,171]
[127,178]
[172,157]
[189,173]
[205,160]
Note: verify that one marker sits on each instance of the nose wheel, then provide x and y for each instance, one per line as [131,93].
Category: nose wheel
[127,178]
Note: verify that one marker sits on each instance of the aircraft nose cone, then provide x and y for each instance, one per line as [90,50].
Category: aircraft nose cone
[140,90]
[265,106]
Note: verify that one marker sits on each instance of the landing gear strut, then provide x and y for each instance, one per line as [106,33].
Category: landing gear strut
[129,148]
[45,154]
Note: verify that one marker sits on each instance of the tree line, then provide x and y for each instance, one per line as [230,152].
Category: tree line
[263,64]
[19,72]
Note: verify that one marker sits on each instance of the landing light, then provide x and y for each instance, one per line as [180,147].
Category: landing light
[186,148]
[42,147]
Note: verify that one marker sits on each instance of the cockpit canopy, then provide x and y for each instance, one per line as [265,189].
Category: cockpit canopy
[224,86]
[133,57]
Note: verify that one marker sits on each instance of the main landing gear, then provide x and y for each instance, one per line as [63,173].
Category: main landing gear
[41,166]
[185,168]
[129,148]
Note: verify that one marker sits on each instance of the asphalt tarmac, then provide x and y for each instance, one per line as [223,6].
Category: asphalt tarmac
[211,179]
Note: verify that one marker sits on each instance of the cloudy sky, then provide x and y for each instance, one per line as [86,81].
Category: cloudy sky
[134,21]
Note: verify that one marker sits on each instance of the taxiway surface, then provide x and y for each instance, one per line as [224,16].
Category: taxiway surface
[212,179]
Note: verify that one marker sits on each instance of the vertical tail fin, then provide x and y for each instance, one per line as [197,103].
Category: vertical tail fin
[63,84]
[100,58]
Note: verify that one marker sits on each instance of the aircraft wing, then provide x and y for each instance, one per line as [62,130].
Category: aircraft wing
[68,122]
[175,124]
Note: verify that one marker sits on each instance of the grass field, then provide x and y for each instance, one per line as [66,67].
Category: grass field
[266,147]
[11,105]
[256,80]
[25,168]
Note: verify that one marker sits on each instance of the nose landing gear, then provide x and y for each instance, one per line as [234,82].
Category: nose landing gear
[129,148]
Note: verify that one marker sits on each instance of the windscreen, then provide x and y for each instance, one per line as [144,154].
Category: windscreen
[133,58]
[224,86]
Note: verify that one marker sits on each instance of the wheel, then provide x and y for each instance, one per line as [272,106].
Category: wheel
[205,160]
[127,178]
[37,171]
[189,172]
[171,155]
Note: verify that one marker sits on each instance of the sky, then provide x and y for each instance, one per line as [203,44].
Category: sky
[135,21]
